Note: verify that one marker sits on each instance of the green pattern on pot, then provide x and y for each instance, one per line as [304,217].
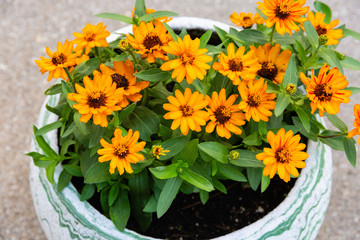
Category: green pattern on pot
[63,216]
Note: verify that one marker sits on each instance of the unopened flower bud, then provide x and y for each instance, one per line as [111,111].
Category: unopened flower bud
[290,89]
[124,45]
[234,155]
[323,39]
[180,170]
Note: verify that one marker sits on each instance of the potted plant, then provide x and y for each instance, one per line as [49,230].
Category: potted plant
[150,115]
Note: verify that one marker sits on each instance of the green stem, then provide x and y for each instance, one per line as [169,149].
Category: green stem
[135,60]
[68,75]
[272,34]
[145,97]
[312,58]
[331,136]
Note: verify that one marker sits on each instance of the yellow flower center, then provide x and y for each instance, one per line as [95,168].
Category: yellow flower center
[268,70]
[282,155]
[320,30]
[222,114]
[121,151]
[282,11]
[120,80]
[186,110]
[254,100]
[158,150]
[58,59]
[96,99]
[151,40]
[187,58]
[247,22]
[323,92]
[236,65]
[89,37]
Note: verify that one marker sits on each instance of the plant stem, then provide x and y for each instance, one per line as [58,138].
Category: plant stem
[145,97]
[272,34]
[331,136]
[312,58]
[68,75]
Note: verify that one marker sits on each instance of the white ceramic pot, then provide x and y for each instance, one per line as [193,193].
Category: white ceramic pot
[63,216]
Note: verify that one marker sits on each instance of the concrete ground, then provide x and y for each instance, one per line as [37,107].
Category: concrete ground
[27,27]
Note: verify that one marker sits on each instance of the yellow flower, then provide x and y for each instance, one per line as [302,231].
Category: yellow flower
[149,40]
[91,36]
[122,151]
[284,14]
[258,19]
[273,63]
[157,151]
[59,60]
[326,92]
[191,61]
[237,64]
[150,10]
[98,99]
[356,130]
[246,20]
[123,76]
[256,103]
[284,156]
[322,28]
[224,115]
[185,111]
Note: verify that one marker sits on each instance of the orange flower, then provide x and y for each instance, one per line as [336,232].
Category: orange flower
[356,130]
[123,76]
[284,14]
[191,61]
[273,63]
[122,151]
[91,36]
[326,92]
[224,115]
[246,20]
[149,40]
[284,156]
[185,111]
[79,60]
[256,103]
[98,99]
[59,60]
[237,64]
[322,28]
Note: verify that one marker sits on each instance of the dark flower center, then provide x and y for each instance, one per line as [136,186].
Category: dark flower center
[268,70]
[320,30]
[151,41]
[186,110]
[96,99]
[187,58]
[236,65]
[89,37]
[120,80]
[247,22]
[323,92]
[282,155]
[60,59]
[253,100]
[282,11]
[121,151]
[222,114]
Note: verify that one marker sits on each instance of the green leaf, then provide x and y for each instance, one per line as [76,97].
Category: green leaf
[247,159]
[322,7]
[254,177]
[291,73]
[167,195]
[85,69]
[87,192]
[97,173]
[96,132]
[86,161]
[171,32]
[213,151]
[113,194]
[265,182]
[282,102]
[140,8]
[158,14]
[120,210]
[175,145]
[44,145]
[154,75]
[165,172]
[204,39]
[204,196]
[80,125]
[151,205]
[231,172]
[49,127]
[50,172]
[335,143]
[65,146]
[304,118]
[353,89]
[299,125]
[67,88]
[251,35]
[350,33]
[190,152]
[69,130]
[143,120]
[115,16]
[196,179]
[104,201]
[222,35]
[124,113]
[55,89]
[64,180]
[219,186]
[73,170]
[311,34]
[253,139]
[350,150]
[330,58]
[165,132]
[351,63]
[337,122]
[272,87]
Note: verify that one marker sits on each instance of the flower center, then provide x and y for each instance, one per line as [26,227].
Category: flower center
[320,30]
[60,59]
[253,100]
[236,65]
[187,58]
[120,80]
[186,110]
[282,11]
[158,150]
[282,155]
[96,99]
[151,40]
[268,70]
[89,37]
[323,92]
[247,22]
[222,114]
[121,151]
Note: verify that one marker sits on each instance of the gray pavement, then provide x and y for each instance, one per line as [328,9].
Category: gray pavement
[27,27]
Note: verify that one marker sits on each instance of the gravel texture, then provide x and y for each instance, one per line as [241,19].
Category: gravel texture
[27,27]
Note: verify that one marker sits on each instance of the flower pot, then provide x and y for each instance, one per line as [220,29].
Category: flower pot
[63,216]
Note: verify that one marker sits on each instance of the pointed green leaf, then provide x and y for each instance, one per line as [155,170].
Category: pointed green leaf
[97,173]
[213,151]
[351,63]
[322,7]
[196,179]
[247,159]
[330,58]
[190,152]
[282,102]
[140,8]
[113,194]
[231,172]
[49,127]
[114,16]
[73,170]
[204,196]
[64,180]
[350,150]
[167,195]
[304,118]
[291,73]
[350,33]
[254,176]
[204,39]
[87,192]
[174,145]
[251,35]
[171,32]
[85,69]
[154,75]
[120,210]
[311,34]
[265,182]
[337,122]
[50,172]
[253,139]
[158,14]
[55,89]
[44,145]
[165,172]
[219,186]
